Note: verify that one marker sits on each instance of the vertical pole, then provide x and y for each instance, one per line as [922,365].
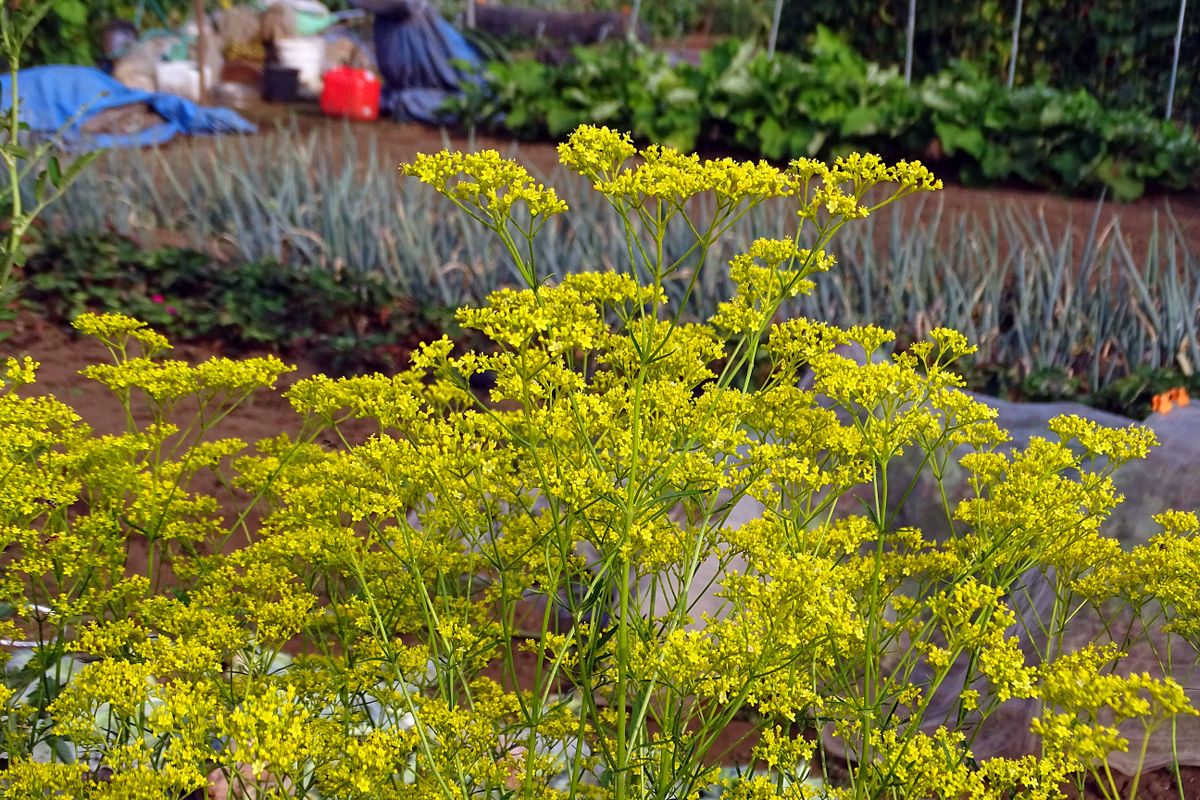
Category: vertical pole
[631,32]
[1016,44]
[911,35]
[201,46]
[469,15]
[773,36]
[1175,60]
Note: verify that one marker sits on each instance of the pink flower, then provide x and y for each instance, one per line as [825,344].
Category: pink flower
[157,298]
[170,309]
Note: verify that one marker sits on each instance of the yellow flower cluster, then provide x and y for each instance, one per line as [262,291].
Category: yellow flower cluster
[270,732]
[168,381]
[1079,683]
[940,765]
[1158,577]
[116,331]
[667,174]
[840,191]
[486,181]
[772,272]
[596,152]
[19,372]
[123,687]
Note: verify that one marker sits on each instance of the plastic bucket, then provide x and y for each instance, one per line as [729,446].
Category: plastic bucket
[351,93]
[181,78]
[306,55]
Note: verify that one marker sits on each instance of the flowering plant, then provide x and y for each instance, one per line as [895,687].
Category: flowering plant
[550,590]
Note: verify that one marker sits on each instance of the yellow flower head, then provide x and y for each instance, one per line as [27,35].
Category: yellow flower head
[595,152]
[485,180]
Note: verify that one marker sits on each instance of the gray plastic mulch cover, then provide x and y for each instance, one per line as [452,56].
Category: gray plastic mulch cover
[422,58]
[1167,479]
[1164,480]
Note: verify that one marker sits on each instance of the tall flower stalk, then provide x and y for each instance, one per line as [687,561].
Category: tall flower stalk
[22,158]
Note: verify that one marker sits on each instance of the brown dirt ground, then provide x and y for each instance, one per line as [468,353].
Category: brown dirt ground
[62,354]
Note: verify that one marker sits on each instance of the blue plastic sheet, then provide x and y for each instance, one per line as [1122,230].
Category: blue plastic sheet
[63,98]
[422,58]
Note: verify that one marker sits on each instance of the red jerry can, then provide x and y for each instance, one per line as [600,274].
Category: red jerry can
[352,93]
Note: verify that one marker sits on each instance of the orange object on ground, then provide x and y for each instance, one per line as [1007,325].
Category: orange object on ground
[1163,403]
[352,93]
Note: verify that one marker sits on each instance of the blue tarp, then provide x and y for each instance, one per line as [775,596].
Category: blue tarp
[422,58]
[63,98]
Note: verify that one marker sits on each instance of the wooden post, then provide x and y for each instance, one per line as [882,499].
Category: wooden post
[1016,45]
[469,15]
[773,37]
[201,46]
[634,15]
[1175,60]
[910,37]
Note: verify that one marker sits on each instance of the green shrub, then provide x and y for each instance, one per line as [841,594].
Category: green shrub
[596,477]
[70,33]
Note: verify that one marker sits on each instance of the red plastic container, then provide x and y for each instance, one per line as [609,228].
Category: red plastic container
[352,93]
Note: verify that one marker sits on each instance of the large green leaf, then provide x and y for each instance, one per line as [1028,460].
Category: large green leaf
[773,140]
[561,118]
[957,138]
[862,121]
[1116,175]
[72,12]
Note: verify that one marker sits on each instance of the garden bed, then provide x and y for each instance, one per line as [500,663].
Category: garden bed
[329,219]
[399,142]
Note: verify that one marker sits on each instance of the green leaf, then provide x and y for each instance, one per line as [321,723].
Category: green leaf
[683,137]
[606,111]
[560,119]
[681,96]
[861,121]
[77,166]
[517,119]
[1117,176]
[72,12]
[815,142]
[773,139]
[577,96]
[957,138]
